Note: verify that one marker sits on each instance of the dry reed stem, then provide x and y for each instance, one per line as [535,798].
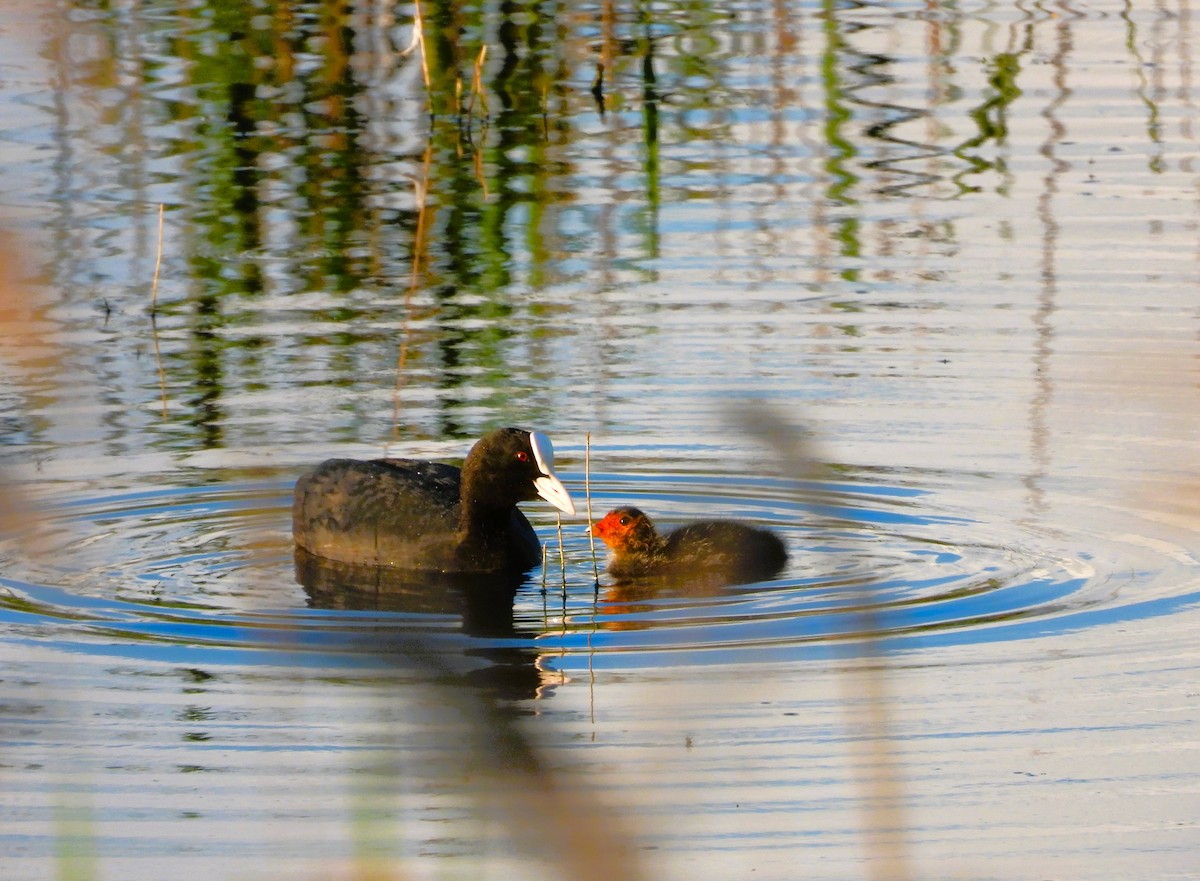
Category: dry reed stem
[418,42]
[562,553]
[477,83]
[157,263]
[587,494]
[419,26]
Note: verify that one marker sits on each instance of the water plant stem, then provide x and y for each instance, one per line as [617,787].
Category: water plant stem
[587,493]
[562,553]
[157,263]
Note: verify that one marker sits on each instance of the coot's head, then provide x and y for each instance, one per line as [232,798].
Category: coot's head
[626,530]
[512,465]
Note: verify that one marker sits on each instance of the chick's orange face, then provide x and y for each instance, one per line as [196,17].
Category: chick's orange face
[609,529]
[618,527]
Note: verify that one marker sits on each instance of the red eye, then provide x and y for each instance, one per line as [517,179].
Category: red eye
[522,456]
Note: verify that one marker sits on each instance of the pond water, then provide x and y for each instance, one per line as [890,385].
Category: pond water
[912,284]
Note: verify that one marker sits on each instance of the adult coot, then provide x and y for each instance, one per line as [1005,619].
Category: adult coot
[429,516]
[727,549]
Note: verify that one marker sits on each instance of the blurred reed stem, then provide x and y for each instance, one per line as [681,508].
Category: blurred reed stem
[873,759]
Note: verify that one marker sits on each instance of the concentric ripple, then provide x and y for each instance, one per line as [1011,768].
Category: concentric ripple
[893,560]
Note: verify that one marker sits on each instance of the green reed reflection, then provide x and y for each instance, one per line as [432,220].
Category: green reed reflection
[275,133]
[277,146]
[992,119]
[334,198]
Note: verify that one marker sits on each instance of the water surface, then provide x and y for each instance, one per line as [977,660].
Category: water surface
[953,246]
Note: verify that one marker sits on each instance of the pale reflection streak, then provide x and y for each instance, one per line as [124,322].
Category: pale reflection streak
[1043,327]
[607,213]
[1184,93]
[783,66]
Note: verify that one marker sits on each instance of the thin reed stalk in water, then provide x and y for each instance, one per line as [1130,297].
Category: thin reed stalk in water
[562,553]
[587,494]
[545,551]
[157,263]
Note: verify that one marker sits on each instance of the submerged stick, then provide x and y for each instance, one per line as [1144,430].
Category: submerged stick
[587,493]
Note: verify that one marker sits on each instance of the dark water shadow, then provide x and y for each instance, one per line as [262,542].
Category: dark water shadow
[483,603]
[691,583]
[633,596]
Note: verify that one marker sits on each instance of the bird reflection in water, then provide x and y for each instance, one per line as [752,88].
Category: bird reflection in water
[483,603]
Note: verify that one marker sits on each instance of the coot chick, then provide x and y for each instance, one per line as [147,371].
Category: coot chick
[727,549]
[428,516]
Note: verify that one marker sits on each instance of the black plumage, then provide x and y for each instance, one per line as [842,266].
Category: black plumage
[430,516]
